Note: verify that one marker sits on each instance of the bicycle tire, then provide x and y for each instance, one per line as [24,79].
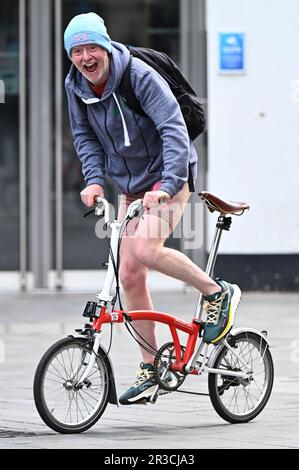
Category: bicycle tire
[57,372]
[225,391]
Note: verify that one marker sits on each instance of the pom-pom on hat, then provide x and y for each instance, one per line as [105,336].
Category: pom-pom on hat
[88,28]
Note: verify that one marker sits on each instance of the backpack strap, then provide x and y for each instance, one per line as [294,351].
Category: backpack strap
[127,93]
[190,180]
[129,97]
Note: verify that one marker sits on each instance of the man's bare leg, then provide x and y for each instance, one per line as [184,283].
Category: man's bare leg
[133,276]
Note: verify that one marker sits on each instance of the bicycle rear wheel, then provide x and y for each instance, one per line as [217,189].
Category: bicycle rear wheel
[235,399]
[64,406]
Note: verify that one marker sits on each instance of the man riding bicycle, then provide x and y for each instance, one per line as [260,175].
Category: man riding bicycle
[146,157]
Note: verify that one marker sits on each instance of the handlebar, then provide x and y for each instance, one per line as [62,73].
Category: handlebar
[102,209]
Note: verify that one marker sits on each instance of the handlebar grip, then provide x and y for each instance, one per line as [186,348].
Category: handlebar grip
[97,199]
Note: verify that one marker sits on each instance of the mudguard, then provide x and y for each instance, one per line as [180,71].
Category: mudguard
[112,396]
[235,332]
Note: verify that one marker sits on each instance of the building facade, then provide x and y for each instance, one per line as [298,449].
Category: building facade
[249,151]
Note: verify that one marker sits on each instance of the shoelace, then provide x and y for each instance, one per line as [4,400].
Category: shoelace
[142,375]
[213,309]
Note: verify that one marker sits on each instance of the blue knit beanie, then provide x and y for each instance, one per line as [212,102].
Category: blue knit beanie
[88,28]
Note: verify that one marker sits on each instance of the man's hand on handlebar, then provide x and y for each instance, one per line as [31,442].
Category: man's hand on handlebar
[154,198]
[89,194]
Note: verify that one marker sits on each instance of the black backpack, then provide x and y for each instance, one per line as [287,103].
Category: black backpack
[191,107]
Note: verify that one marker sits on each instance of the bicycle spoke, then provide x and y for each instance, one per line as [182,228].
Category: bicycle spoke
[62,365]
[79,409]
[68,410]
[53,380]
[58,374]
[88,394]
[58,394]
[85,401]
[71,361]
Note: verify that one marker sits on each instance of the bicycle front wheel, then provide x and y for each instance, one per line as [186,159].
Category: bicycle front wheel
[235,399]
[62,404]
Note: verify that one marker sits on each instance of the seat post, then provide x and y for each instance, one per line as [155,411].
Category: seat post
[223,223]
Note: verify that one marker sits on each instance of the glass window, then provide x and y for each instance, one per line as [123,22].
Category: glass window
[9,162]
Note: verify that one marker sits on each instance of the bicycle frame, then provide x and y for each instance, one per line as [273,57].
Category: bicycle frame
[175,324]
[186,364]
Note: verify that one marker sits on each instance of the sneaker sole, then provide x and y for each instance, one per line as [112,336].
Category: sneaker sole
[234,305]
[142,398]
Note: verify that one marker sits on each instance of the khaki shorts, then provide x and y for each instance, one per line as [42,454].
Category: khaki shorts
[160,220]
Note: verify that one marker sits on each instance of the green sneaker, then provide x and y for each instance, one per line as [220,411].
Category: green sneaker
[220,308]
[143,387]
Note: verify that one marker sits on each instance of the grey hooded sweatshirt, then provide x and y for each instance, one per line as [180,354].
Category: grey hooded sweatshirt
[135,151]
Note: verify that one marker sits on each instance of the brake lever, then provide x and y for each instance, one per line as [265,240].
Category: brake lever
[98,211]
[136,209]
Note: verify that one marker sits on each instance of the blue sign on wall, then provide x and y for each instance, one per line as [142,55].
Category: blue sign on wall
[231,52]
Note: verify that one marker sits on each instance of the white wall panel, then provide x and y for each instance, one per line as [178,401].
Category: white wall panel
[253,130]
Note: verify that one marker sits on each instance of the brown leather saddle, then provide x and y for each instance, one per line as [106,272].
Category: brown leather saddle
[215,203]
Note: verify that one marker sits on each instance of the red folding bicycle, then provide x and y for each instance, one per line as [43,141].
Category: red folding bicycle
[74,380]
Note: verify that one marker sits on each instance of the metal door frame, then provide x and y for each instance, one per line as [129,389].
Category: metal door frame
[58,146]
[193,54]
[22,147]
[40,140]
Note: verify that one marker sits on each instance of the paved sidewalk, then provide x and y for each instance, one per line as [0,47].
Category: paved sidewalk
[31,322]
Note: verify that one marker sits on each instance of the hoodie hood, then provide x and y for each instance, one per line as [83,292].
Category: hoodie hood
[120,56]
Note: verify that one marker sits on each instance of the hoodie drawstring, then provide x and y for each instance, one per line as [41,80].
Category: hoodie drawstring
[126,134]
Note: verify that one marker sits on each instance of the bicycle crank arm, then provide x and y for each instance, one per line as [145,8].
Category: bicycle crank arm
[155,395]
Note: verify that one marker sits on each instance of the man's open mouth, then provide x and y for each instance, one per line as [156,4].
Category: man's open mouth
[91,68]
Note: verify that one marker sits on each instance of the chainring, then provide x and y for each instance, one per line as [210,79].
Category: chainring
[165,356]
